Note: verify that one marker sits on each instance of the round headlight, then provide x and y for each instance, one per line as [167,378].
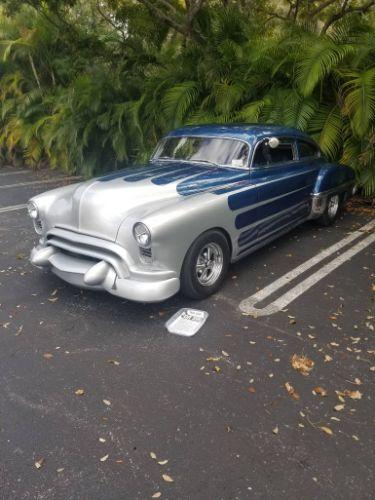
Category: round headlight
[33,210]
[142,234]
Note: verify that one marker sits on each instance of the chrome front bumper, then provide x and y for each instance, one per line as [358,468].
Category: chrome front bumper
[93,263]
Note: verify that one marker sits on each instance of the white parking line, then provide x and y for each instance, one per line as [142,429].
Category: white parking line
[16,172]
[12,208]
[248,305]
[44,181]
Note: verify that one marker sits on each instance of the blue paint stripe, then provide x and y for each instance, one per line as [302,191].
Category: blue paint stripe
[149,173]
[264,228]
[232,187]
[243,199]
[296,221]
[215,178]
[250,216]
[179,173]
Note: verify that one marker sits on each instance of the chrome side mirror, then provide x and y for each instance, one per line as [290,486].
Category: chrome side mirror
[273,142]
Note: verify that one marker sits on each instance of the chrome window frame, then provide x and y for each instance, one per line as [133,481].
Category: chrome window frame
[248,144]
[292,141]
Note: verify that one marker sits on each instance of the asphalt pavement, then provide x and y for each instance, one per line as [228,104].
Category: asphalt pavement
[98,401]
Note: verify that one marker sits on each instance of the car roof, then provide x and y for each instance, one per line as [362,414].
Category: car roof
[249,132]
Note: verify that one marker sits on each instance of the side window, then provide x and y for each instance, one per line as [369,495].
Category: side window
[265,155]
[307,150]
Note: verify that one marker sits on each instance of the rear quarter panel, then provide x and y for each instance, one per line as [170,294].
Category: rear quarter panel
[332,176]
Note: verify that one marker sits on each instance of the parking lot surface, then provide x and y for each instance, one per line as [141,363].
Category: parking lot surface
[99,401]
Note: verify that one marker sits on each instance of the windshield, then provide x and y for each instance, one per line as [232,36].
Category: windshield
[218,151]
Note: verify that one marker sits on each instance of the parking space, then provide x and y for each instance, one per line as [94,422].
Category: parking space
[224,412]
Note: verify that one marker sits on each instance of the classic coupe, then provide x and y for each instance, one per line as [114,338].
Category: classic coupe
[209,195]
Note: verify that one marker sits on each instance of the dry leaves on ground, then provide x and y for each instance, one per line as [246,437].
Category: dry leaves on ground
[350,394]
[167,478]
[79,392]
[326,430]
[291,391]
[302,364]
[39,463]
[320,391]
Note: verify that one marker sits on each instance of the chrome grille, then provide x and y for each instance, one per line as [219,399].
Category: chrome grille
[83,246]
[146,255]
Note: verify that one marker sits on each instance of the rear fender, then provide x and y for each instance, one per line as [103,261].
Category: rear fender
[332,179]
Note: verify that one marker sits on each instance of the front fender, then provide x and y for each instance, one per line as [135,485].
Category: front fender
[174,228]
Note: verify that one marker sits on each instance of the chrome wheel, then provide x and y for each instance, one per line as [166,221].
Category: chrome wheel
[209,264]
[333,206]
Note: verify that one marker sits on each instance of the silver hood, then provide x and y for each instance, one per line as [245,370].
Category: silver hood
[98,208]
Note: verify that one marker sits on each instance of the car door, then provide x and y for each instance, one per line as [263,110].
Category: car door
[283,191]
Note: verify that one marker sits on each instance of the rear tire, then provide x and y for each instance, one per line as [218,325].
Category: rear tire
[205,265]
[332,210]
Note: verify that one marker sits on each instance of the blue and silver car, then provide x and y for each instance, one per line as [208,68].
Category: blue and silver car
[209,196]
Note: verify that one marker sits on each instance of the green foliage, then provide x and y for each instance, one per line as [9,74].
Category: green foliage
[91,86]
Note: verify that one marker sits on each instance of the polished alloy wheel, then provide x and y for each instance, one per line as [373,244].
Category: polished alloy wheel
[209,264]
[333,206]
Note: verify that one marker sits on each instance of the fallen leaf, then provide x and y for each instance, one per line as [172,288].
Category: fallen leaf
[350,394]
[153,455]
[213,359]
[275,430]
[251,389]
[217,369]
[224,353]
[39,463]
[327,358]
[53,299]
[302,364]
[339,407]
[60,470]
[103,459]
[156,495]
[327,430]
[79,392]
[107,402]
[291,391]
[47,355]
[113,362]
[320,391]
[167,478]
[163,462]
[355,437]
[102,440]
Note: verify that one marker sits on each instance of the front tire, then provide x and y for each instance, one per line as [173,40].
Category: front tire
[205,265]
[332,210]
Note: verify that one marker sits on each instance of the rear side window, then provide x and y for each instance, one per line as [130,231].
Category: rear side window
[265,155]
[307,150]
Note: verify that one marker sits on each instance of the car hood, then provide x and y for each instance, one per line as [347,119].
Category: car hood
[99,206]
